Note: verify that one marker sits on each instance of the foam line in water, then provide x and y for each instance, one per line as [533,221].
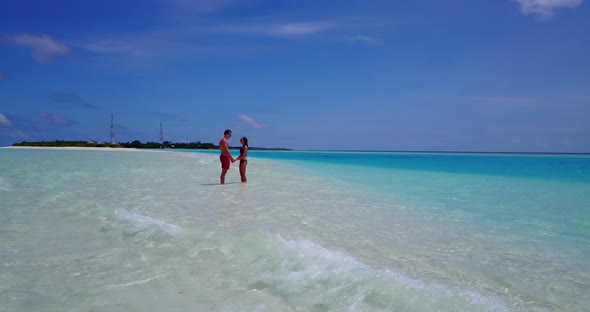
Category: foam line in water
[4,186]
[146,221]
[315,263]
[143,281]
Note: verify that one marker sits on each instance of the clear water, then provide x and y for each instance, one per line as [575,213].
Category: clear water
[310,231]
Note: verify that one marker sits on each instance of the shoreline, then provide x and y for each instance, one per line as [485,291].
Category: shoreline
[72,148]
[107,149]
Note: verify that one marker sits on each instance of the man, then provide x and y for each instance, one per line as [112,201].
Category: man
[225,156]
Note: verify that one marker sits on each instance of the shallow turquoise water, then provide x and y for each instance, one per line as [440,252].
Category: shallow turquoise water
[310,231]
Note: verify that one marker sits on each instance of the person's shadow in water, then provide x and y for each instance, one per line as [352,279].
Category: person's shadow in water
[220,184]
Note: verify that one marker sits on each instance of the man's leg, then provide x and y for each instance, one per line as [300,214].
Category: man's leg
[222,177]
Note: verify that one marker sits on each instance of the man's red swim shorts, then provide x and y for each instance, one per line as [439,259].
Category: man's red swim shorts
[225,161]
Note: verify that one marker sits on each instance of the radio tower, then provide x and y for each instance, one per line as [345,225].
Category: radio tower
[161,133]
[112,129]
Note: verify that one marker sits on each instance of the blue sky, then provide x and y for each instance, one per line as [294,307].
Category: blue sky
[462,75]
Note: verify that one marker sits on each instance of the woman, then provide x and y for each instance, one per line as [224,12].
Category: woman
[243,158]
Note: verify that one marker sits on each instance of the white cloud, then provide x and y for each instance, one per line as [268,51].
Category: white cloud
[546,8]
[44,48]
[58,120]
[367,40]
[183,36]
[296,29]
[132,47]
[251,122]
[4,121]
[277,29]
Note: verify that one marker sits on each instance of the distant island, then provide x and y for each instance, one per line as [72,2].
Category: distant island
[137,144]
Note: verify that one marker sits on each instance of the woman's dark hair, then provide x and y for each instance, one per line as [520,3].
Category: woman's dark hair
[245,140]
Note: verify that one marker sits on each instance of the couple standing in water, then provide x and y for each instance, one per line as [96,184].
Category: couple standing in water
[226,157]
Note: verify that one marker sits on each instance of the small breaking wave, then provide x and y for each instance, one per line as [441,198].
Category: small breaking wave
[145,222]
[307,268]
[206,160]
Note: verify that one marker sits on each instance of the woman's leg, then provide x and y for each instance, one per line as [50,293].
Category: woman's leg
[243,165]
